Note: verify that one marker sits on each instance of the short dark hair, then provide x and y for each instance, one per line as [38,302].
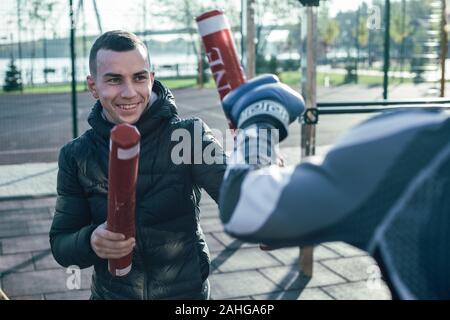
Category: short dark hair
[116,40]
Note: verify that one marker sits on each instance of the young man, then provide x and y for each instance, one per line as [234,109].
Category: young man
[385,188]
[170,255]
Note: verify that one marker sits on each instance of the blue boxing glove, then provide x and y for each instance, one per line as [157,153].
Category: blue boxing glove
[264,99]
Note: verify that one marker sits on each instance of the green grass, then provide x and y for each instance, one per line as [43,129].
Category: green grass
[292,78]
[181,83]
[46,89]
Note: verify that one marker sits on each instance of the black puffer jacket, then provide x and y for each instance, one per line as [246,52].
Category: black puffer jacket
[171,259]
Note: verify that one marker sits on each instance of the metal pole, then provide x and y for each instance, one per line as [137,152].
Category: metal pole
[243,33]
[444,43]
[308,142]
[402,48]
[85,52]
[74,81]
[357,43]
[19,42]
[45,52]
[97,14]
[309,80]
[387,32]
[250,48]
[200,66]
[144,12]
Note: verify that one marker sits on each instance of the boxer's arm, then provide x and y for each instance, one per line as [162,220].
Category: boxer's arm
[284,206]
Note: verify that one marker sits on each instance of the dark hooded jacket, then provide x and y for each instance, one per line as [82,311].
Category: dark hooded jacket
[171,258]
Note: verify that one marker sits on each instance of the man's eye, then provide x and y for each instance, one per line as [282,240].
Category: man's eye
[141,78]
[114,80]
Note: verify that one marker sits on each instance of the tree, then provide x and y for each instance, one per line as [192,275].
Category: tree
[400,29]
[182,13]
[327,28]
[13,79]
[40,11]
[328,32]
[268,14]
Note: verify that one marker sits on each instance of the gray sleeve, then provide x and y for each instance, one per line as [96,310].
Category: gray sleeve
[286,204]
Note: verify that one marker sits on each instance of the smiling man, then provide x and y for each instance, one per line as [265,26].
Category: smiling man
[170,255]
[122,81]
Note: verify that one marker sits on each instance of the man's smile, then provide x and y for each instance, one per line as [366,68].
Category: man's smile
[128,106]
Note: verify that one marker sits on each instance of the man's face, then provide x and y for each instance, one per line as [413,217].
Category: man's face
[123,84]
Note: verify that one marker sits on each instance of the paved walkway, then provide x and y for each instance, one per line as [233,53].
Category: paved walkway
[239,271]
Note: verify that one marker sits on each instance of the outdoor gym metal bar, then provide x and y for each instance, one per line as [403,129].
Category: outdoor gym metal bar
[384,103]
[311,115]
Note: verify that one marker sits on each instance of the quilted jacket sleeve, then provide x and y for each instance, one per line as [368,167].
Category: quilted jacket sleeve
[209,160]
[71,228]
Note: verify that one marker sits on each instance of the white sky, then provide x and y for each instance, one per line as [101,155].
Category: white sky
[344,5]
[116,14]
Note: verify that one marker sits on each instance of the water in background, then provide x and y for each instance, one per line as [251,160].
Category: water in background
[167,65]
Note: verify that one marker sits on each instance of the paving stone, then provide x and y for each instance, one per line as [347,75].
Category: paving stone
[291,255]
[359,291]
[306,294]
[243,259]
[10,205]
[323,253]
[211,224]
[344,249]
[213,244]
[39,227]
[40,203]
[51,211]
[35,297]
[206,199]
[25,244]
[209,212]
[242,298]
[44,260]
[23,228]
[213,256]
[353,268]
[239,284]
[13,229]
[69,295]
[16,262]
[288,277]
[233,243]
[24,215]
[36,179]
[210,205]
[42,282]
[207,202]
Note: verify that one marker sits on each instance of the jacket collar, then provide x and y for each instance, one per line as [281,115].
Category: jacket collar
[161,110]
